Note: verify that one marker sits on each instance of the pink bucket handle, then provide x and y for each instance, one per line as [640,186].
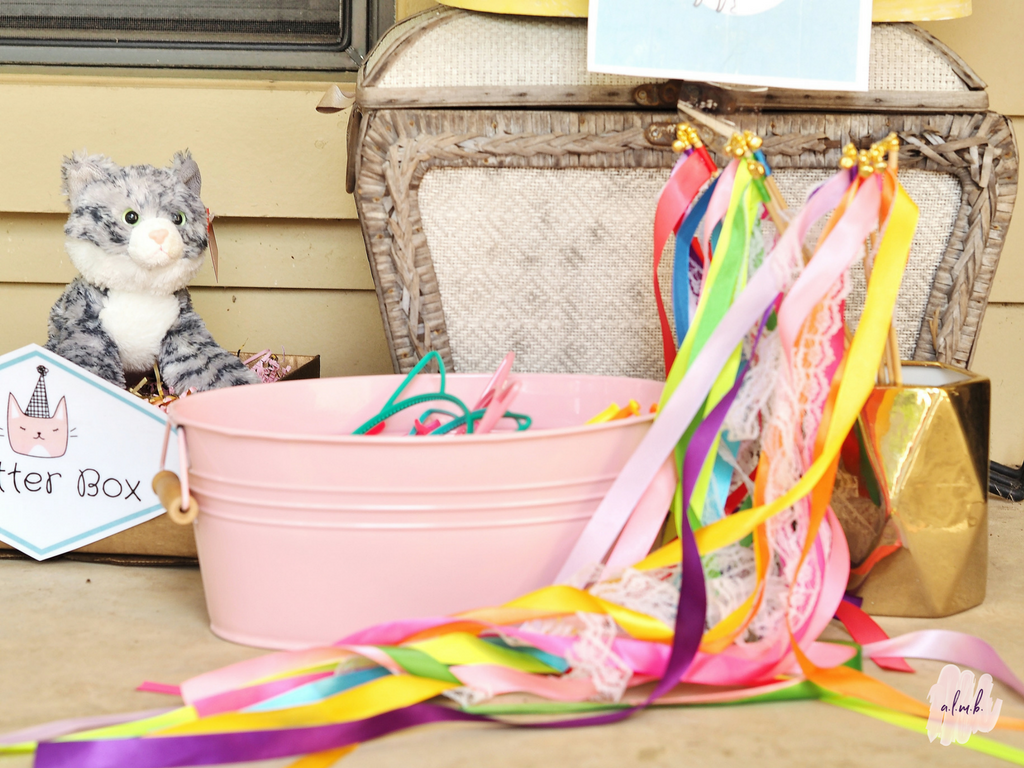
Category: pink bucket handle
[183,462]
[167,440]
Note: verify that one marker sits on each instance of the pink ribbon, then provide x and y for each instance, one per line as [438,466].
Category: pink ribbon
[240,698]
[245,672]
[644,525]
[843,245]
[951,647]
[718,206]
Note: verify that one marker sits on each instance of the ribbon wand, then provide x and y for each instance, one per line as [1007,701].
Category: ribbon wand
[747,145]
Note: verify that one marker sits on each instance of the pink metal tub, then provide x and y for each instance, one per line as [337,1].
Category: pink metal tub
[307,533]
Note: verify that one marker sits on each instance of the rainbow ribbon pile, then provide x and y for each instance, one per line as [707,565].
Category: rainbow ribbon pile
[733,606]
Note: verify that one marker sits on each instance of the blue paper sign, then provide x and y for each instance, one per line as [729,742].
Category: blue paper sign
[801,44]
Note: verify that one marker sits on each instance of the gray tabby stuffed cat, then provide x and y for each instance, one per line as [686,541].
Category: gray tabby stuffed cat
[137,236]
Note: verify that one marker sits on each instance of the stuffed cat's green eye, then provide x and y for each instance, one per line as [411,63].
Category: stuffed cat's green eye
[131,217]
[178,218]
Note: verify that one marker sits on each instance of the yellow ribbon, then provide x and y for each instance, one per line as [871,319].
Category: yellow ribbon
[562,599]
[463,648]
[323,759]
[373,698]
[138,728]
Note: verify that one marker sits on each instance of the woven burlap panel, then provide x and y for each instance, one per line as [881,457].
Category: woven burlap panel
[473,49]
[556,264]
[397,148]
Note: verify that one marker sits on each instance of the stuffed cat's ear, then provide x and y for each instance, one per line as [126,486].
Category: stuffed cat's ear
[61,414]
[13,409]
[187,170]
[80,170]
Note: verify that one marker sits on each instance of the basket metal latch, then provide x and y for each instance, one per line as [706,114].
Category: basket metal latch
[702,96]
[660,134]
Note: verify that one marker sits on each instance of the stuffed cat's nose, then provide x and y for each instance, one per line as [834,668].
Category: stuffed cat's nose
[158,235]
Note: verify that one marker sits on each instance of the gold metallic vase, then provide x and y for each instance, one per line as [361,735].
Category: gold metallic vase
[913,483]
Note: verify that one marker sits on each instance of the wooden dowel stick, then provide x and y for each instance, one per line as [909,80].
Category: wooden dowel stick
[775,192]
[723,128]
[894,347]
[167,487]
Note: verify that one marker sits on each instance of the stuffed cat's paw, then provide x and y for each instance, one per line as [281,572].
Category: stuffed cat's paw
[204,370]
[76,333]
[191,359]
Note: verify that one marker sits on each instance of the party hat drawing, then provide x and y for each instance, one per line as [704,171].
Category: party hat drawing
[34,432]
[38,406]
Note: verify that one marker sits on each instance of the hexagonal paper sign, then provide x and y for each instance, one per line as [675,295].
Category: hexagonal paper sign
[77,455]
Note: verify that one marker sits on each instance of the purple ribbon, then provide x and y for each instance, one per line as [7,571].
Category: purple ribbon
[704,436]
[245,746]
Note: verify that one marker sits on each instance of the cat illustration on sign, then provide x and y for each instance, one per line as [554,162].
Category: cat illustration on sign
[739,7]
[33,431]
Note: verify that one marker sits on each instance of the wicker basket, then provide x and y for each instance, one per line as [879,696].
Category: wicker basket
[506,194]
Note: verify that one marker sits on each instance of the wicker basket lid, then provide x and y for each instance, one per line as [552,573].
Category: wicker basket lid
[449,58]
[884,10]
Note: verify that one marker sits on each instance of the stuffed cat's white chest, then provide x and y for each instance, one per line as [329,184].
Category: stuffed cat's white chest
[138,322]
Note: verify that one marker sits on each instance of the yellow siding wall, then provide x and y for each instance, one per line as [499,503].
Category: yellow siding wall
[293,270]
[293,273]
[989,41]
[406,8]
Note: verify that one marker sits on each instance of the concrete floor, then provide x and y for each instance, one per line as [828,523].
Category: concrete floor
[77,638]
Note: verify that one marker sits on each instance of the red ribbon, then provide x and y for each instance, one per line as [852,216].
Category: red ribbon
[677,196]
[863,629]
